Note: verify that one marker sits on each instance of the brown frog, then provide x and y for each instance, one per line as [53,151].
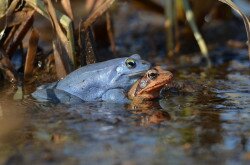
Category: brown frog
[149,86]
[146,89]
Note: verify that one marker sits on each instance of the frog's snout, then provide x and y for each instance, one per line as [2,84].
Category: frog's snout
[169,74]
[146,65]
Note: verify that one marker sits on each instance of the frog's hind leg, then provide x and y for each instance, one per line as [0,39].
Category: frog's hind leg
[55,96]
[115,96]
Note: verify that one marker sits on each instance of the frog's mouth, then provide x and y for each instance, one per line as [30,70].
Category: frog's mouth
[137,74]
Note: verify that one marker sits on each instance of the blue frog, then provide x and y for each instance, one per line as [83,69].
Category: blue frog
[105,81]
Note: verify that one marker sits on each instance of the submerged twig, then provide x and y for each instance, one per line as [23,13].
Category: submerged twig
[197,35]
[245,19]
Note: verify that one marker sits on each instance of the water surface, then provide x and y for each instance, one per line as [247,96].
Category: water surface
[211,125]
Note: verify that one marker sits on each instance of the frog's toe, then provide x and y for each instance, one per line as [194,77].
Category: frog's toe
[40,95]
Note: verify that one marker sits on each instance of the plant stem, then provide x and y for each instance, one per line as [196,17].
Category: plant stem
[169,24]
[190,18]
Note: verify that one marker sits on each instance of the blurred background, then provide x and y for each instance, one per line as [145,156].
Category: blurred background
[203,118]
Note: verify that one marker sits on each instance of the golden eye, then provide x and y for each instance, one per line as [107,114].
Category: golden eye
[152,74]
[130,63]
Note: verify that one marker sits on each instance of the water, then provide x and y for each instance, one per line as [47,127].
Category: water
[211,125]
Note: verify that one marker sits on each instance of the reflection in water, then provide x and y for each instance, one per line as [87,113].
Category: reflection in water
[211,126]
[11,120]
[149,112]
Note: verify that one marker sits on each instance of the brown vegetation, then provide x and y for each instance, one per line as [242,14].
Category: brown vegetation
[73,45]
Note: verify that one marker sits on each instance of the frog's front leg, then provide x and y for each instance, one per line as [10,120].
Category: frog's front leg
[116,96]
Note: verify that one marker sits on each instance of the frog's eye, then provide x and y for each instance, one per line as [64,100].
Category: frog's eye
[143,84]
[152,74]
[130,63]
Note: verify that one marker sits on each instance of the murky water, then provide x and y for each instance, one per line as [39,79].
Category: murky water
[211,125]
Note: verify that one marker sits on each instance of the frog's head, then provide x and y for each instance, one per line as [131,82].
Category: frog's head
[131,69]
[149,86]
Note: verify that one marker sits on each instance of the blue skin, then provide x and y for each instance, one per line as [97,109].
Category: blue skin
[105,81]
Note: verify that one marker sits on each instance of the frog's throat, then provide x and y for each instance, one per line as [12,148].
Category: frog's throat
[135,74]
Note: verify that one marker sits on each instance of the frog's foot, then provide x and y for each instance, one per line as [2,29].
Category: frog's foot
[116,96]
[55,96]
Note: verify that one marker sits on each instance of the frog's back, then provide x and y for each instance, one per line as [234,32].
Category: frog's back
[87,72]
[94,68]
[89,82]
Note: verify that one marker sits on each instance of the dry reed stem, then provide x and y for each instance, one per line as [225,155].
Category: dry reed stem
[197,35]
[245,19]
[54,21]
[12,8]
[110,33]
[96,14]
[31,54]
[89,46]
[3,7]
[5,12]
[61,70]
[148,5]
[7,67]
[169,25]
[67,8]
[66,23]
[9,37]
[20,33]
[87,41]
[62,37]
[92,4]
[17,18]
[14,20]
